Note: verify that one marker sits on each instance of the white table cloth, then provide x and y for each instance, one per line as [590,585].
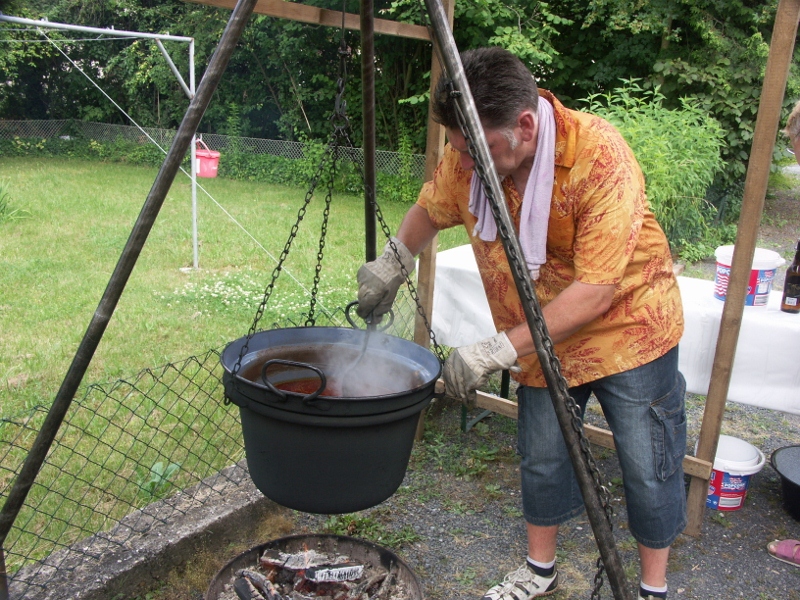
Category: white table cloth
[766,370]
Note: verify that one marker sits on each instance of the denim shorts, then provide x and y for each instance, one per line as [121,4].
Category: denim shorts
[644,408]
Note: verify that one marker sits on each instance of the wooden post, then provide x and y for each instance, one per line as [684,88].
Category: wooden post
[755,189]
[368,115]
[426,270]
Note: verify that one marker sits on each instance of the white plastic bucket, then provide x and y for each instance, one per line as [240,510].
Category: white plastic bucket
[735,463]
[765,263]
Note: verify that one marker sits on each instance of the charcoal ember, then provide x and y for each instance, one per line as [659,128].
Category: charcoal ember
[336,572]
[312,575]
[299,561]
[370,583]
[328,588]
[383,591]
[261,583]
[295,595]
[246,590]
[280,576]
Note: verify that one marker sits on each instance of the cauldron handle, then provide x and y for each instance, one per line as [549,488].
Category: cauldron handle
[355,326]
[290,363]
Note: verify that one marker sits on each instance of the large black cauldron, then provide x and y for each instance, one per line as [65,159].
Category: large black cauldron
[328,415]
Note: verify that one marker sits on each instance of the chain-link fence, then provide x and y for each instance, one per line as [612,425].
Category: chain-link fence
[130,457]
[392,163]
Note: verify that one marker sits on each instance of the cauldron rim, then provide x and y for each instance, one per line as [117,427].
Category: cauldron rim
[238,388]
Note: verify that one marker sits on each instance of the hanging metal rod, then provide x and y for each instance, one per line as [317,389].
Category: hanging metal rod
[601,526]
[116,285]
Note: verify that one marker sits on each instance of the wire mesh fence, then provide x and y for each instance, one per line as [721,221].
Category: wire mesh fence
[392,163]
[123,455]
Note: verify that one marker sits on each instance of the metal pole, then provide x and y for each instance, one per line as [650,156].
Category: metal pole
[555,382]
[195,243]
[174,69]
[3,576]
[116,285]
[101,31]
[195,253]
[368,100]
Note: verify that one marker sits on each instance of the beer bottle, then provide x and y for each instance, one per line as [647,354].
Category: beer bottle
[791,287]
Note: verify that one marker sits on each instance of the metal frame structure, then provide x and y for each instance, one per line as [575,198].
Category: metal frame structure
[184,137]
[773,90]
[189,89]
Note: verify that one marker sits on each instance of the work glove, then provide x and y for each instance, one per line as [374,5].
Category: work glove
[379,280]
[467,368]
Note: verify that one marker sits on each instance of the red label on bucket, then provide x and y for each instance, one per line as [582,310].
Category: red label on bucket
[758,287]
[726,491]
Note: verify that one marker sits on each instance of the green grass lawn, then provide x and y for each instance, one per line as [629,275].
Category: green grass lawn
[56,262]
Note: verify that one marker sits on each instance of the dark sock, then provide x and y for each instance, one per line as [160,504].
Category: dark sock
[644,593]
[540,571]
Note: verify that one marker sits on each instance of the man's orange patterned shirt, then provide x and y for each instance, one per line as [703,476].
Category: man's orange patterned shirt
[601,231]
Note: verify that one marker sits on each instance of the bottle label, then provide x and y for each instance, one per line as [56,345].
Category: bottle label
[790,302]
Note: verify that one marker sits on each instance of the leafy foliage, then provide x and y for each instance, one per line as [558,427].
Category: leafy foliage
[282,80]
[371,528]
[7,211]
[713,50]
[678,150]
[120,150]
[159,480]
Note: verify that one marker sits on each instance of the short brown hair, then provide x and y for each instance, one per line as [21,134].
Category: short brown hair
[792,129]
[501,85]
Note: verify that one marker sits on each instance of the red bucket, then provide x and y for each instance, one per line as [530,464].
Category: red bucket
[207,160]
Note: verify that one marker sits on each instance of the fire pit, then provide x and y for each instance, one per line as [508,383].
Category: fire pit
[309,567]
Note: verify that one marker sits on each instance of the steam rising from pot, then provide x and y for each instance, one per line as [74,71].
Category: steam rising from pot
[348,373]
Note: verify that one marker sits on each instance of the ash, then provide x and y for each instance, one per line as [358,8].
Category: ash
[311,575]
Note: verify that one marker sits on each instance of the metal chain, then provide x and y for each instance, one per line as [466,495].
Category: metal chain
[411,289]
[340,125]
[517,263]
[284,254]
[341,128]
[310,320]
[406,275]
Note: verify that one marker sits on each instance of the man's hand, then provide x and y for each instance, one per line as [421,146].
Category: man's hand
[467,368]
[379,280]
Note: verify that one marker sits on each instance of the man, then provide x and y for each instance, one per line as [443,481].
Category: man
[610,302]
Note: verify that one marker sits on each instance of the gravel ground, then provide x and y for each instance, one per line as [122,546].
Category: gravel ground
[457,519]
[461,500]
[466,510]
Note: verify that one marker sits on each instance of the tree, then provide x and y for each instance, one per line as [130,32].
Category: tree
[712,50]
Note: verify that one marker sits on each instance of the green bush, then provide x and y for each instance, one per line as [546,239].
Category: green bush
[678,150]
[119,150]
[404,187]
[236,164]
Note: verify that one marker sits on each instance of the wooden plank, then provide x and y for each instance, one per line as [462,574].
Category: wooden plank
[691,465]
[755,190]
[321,16]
